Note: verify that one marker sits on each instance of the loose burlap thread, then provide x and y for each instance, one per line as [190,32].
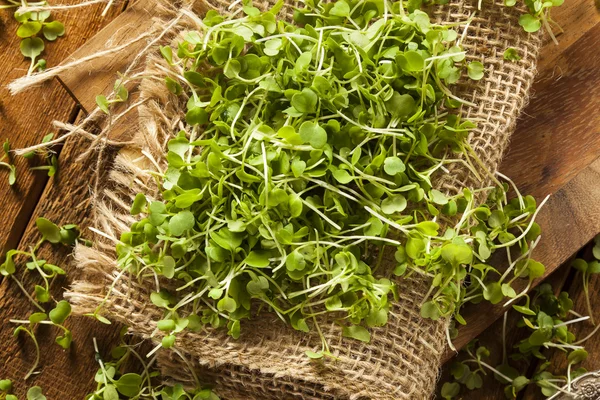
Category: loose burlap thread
[268,360]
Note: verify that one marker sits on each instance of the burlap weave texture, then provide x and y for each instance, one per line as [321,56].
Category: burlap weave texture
[268,360]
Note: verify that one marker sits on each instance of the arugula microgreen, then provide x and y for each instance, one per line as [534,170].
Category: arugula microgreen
[308,149]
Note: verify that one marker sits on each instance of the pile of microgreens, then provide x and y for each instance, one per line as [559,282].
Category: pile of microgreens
[310,148]
[543,317]
[33,27]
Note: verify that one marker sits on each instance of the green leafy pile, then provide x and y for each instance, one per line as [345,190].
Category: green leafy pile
[34,26]
[310,148]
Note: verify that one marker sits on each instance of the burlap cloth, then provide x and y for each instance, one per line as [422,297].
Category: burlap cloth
[268,360]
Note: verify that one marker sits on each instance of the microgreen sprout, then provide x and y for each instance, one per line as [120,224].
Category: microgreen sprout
[12,174]
[48,155]
[34,26]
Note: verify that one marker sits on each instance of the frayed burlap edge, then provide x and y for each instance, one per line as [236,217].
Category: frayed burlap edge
[267,362]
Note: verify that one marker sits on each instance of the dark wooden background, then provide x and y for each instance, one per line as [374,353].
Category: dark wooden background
[554,150]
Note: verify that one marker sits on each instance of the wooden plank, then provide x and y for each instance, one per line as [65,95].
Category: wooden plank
[67,374]
[72,371]
[27,117]
[559,133]
[98,76]
[570,219]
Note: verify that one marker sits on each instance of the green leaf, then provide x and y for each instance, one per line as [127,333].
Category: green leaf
[48,229]
[196,116]
[28,29]
[430,310]
[450,390]
[168,267]
[37,317]
[511,54]
[438,197]
[159,300]
[401,105]
[530,23]
[110,392]
[305,102]
[32,47]
[65,340]
[138,204]
[167,53]
[60,313]
[166,325]
[393,204]
[342,176]
[457,254]
[53,30]
[181,222]
[35,393]
[340,9]
[577,356]
[580,265]
[129,384]
[6,385]
[41,294]
[475,70]
[312,133]
[357,332]
[258,259]
[313,355]
[227,304]
[103,103]
[493,292]
[411,61]
[393,166]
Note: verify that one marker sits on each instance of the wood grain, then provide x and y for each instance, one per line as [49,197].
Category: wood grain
[27,117]
[24,119]
[559,132]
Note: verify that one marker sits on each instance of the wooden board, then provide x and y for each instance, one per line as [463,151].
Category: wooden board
[26,118]
[63,208]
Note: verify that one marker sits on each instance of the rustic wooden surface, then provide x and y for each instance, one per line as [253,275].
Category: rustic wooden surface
[24,120]
[547,155]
